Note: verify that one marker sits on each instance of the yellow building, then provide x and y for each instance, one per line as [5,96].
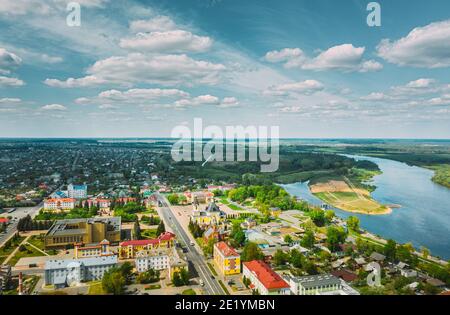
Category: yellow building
[129,249]
[227,259]
[94,230]
[92,250]
[199,197]
[212,215]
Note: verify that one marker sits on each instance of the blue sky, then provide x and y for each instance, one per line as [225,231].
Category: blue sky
[140,68]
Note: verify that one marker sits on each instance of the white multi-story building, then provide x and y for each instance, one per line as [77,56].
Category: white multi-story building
[61,204]
[263,279]
[324,284]
[159,259]
[155,259]
[70,272]
[77,191]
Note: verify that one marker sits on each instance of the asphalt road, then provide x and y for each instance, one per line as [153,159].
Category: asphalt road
[17,215]
[212,286]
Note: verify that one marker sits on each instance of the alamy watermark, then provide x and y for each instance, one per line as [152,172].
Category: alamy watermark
[374,17]
[374,278]
[74,17]
[235,143]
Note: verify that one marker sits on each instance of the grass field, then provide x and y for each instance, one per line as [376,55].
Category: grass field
[38,241]
[234,207]
[345,196]
[189,292]
[96,288]
[5,251]
[28,252]
[149,233]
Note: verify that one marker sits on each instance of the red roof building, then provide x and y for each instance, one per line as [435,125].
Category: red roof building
[128,249]
[4,220]
[264,279]
[226,250]
[227,259]
[345,275]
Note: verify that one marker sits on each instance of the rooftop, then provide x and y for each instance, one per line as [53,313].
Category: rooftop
[345,275]
[309,282]
[60,226]
[269,278]
[226,250]
[377,256]
[212,207]
[78,187]
[166,236]
[90,261]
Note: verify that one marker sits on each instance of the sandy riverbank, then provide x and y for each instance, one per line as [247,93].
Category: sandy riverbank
[346,197]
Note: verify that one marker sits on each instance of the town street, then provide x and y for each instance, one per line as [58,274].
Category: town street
[197,259]
[18,214]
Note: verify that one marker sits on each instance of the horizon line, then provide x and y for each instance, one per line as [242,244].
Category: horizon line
[171,138]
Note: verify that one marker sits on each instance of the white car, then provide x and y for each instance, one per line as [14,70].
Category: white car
[192,244]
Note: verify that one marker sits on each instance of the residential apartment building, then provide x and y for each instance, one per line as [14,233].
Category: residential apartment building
[129,249]
[93,230]
[102,203]
[70,272]
[77,191]
[159,259]
[227,259]
[59,204]
[264,279]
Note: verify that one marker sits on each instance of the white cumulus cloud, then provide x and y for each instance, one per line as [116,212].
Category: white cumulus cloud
[424,47]
[139,68]
[54,107]
[306,87]
[345,57]
[157,24]
[7,81]
[176,41]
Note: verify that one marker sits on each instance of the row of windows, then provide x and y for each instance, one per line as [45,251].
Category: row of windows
[68,239]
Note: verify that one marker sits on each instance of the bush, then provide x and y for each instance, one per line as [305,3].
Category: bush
[113,282]
[148,276]
[180,278]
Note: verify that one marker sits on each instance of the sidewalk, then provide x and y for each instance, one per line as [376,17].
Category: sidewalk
[38,249]
[16,249]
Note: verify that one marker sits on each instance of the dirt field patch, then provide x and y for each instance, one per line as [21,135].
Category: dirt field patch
[336,186]
[345,196]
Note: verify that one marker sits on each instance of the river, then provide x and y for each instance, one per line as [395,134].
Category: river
[424,216]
